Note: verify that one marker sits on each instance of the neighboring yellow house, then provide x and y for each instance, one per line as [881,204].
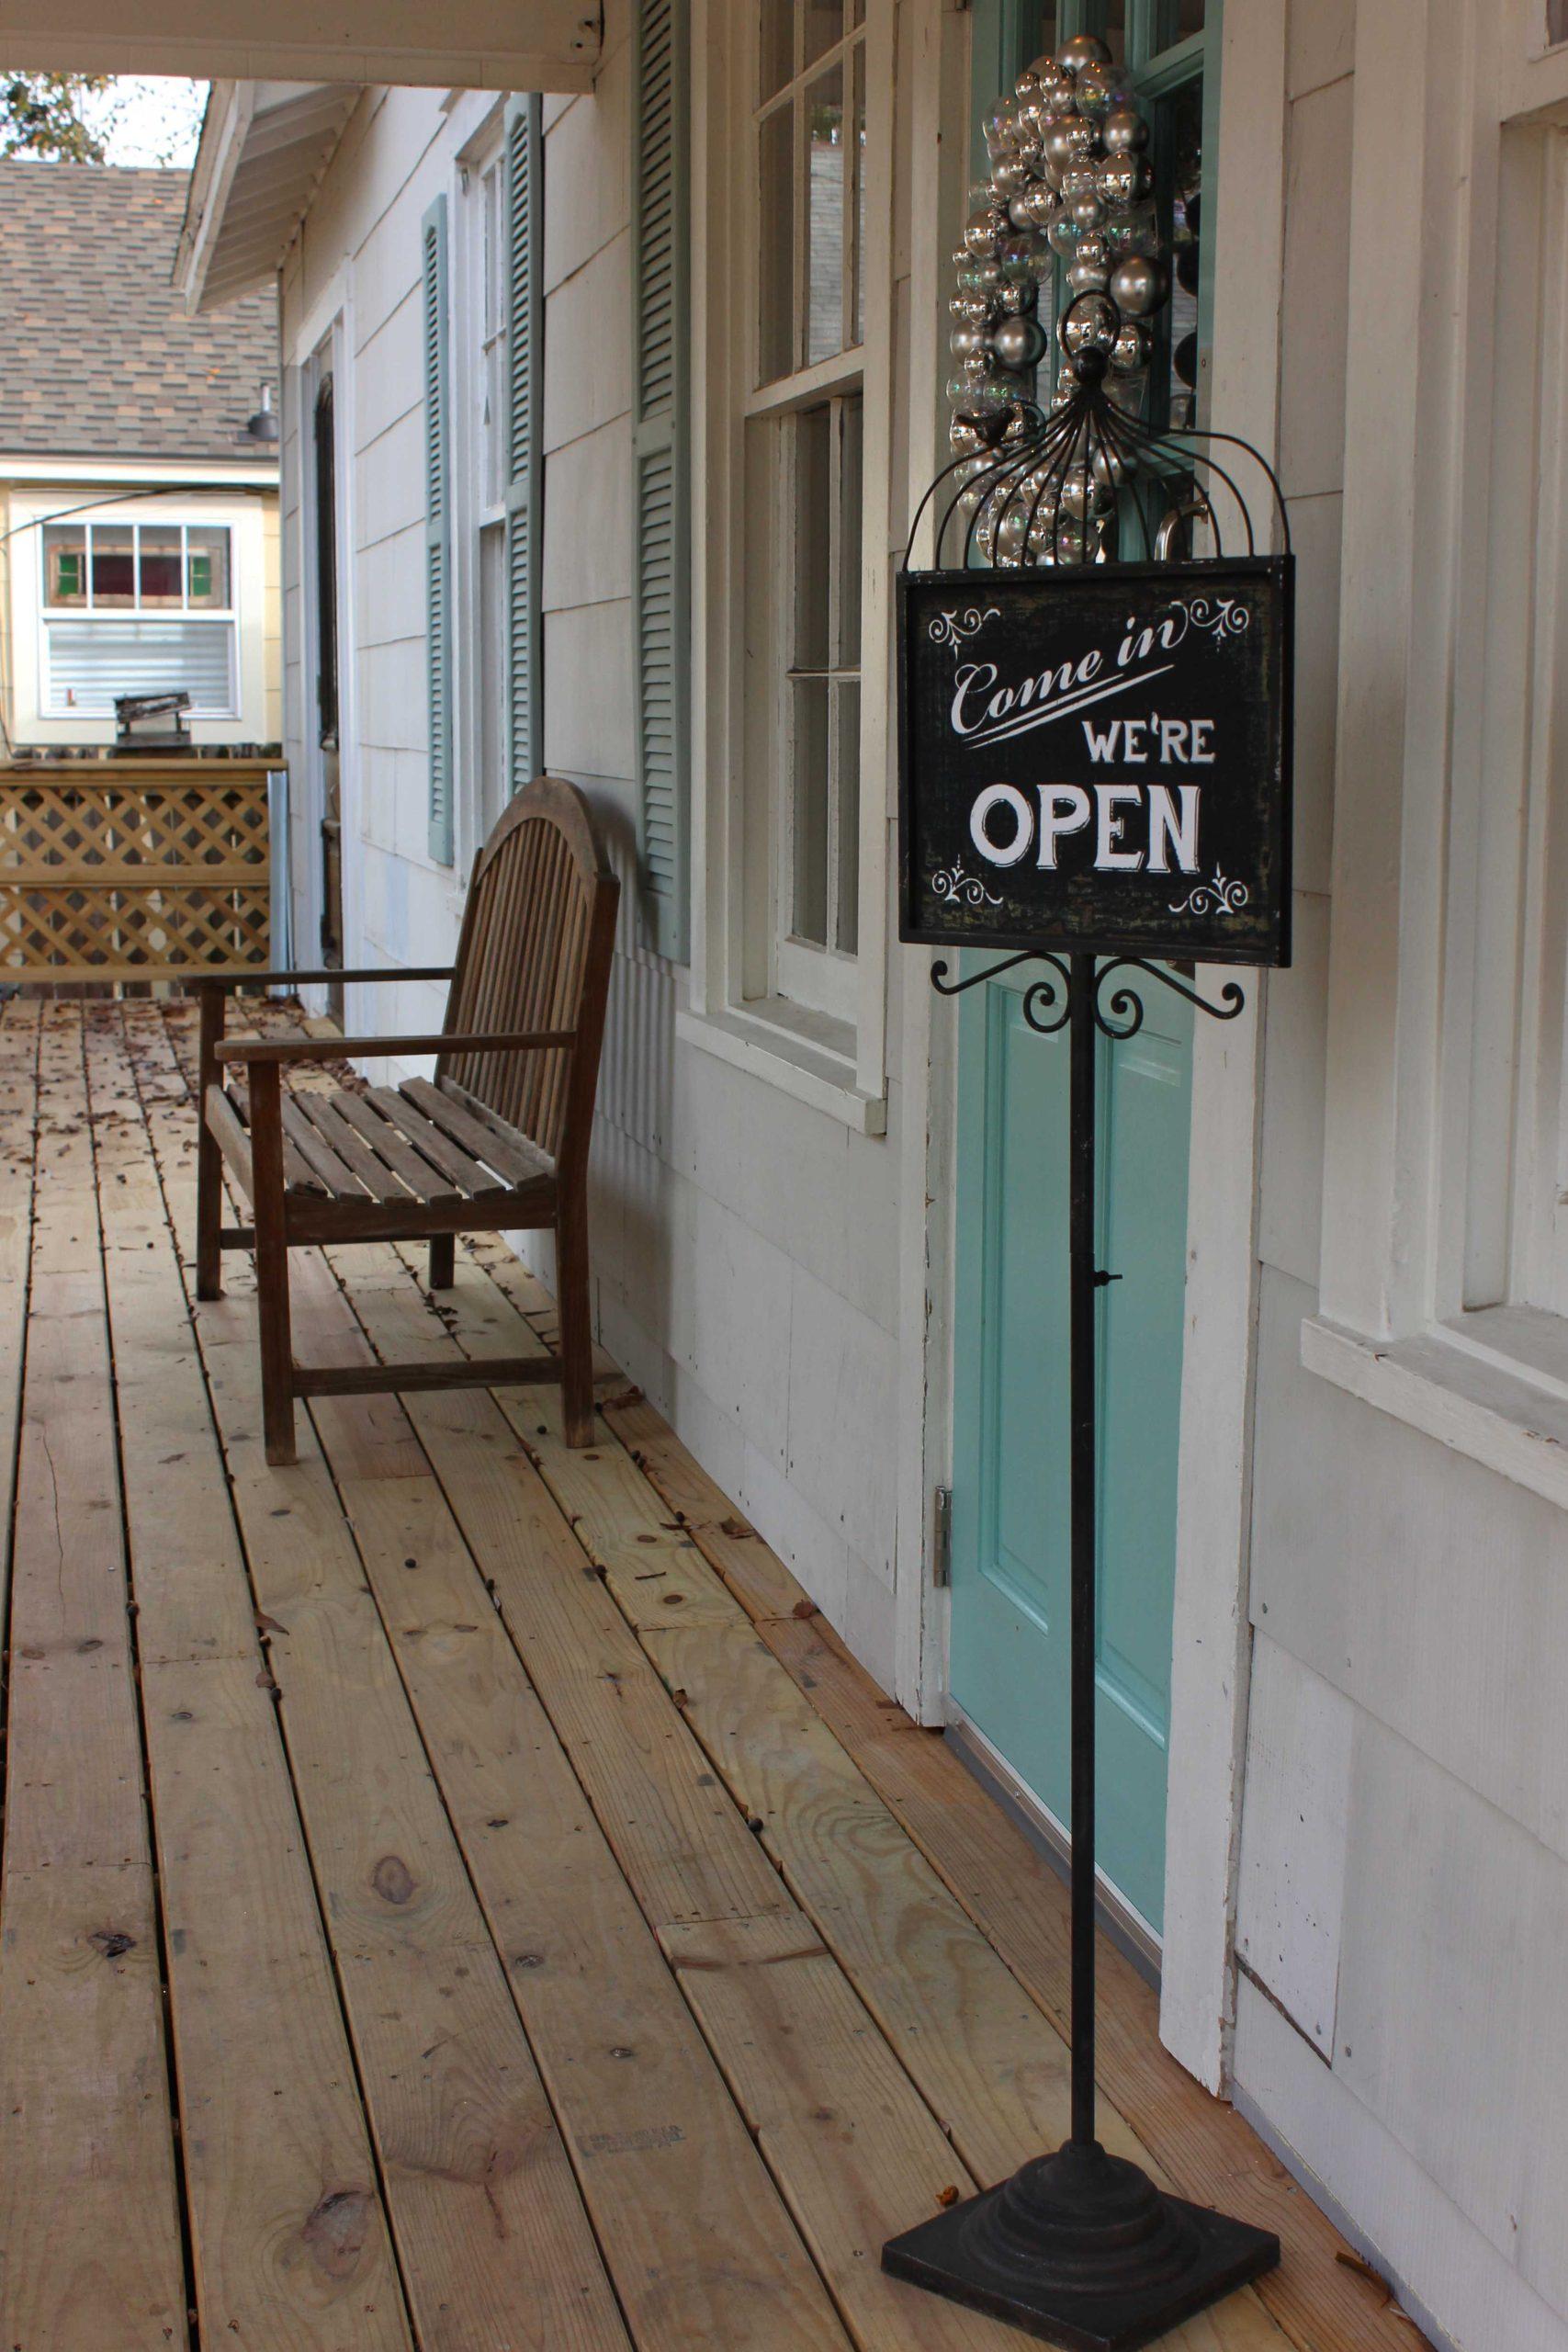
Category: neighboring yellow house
[138,507]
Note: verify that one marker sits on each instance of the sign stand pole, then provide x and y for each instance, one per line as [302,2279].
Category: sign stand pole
[1080,2248]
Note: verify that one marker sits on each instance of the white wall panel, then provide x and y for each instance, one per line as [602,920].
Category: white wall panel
[1290,1890]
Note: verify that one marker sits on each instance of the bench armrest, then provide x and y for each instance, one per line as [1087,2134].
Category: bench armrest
[337,1049]
[248,979]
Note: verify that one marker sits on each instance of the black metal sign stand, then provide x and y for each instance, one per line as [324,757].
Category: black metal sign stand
[1079,2247]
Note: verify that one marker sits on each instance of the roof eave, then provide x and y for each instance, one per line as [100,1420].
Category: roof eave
[263,149]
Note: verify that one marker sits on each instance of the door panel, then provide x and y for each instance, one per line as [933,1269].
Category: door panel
[1009,1628]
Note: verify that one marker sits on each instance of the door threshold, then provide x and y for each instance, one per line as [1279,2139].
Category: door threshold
[1127,1928]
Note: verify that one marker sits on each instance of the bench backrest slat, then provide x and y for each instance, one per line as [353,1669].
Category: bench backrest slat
[538,932]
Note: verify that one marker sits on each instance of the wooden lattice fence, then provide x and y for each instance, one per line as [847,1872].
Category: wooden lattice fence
[134,871]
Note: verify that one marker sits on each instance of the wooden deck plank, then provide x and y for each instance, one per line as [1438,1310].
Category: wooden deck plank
[1014,1897]
[991,2069]
[675,1831]
[651,1775]
[699,2247]
[288,2237]
[990,1868]
[20,1029]
[90,2246]
[496,2252]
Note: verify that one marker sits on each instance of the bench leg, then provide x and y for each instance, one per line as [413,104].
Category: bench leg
[442,1261]
[576,1330]
[272,1264]
[208,1159]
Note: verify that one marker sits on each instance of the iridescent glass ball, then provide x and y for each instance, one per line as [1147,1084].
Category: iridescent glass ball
[1099,90]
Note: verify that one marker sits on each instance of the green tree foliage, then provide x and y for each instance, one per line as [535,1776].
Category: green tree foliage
[41,114]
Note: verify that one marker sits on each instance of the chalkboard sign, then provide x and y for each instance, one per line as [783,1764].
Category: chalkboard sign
[1099,759]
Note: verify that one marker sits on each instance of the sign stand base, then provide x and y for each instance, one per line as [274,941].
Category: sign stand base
[1082,2249]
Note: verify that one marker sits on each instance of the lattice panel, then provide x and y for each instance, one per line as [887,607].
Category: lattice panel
[124,874]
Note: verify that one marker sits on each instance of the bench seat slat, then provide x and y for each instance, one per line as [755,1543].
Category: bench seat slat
[465,1172]
[513,1159]
[388,1143]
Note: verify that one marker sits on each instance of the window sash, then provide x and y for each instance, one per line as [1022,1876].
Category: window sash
[128,612]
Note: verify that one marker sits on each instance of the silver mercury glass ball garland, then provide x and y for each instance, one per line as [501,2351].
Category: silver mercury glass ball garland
[1069,183]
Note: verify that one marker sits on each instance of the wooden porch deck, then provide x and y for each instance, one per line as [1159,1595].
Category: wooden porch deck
[456,1895]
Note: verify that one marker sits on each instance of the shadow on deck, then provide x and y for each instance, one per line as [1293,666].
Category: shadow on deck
[456,1893]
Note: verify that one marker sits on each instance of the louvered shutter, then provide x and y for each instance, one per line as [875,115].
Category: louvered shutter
[660,336]
[437,526]
[525,464]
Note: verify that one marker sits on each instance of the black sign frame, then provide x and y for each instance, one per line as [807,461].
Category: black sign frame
[1255,931]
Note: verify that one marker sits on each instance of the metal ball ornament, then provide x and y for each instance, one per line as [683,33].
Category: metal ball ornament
[1089,272]
[1070,186]
[1122,179]
[1123,131]
[1139,284]
[1084,49]
[1062,142]
[1088,324]
[1128,354]
[1019,342]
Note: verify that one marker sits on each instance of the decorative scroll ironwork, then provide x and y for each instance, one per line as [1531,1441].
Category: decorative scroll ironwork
[1118,1011]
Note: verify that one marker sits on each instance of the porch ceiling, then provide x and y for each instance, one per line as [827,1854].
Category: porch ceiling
[479,44]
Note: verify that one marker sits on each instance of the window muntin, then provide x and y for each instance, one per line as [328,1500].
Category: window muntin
[109,567]
[137,608]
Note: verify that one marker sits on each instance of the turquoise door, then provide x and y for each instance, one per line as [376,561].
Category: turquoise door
[1008,1643]
[1008,1655]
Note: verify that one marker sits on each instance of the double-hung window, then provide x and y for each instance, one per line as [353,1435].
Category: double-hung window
[803,403]
[138,608]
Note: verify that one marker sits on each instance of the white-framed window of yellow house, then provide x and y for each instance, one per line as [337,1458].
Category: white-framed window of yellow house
[805,490]
[132,607]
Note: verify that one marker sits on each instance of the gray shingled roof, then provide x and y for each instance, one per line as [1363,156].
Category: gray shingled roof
[98,357]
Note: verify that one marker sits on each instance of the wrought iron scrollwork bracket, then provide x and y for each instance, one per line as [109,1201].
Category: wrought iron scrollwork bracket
[1117,1007]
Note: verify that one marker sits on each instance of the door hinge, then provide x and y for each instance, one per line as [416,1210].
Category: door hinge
[941,1536]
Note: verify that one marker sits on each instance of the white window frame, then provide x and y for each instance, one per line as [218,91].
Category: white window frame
[50,616]
[235,497]
[1444,1288]
[830,1053]
[483,152]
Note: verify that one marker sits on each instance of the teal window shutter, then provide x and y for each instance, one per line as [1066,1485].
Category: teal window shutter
[524,459]
[437,524]
[661,473]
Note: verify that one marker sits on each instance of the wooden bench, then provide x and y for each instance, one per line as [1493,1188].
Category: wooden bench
[496,1141]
